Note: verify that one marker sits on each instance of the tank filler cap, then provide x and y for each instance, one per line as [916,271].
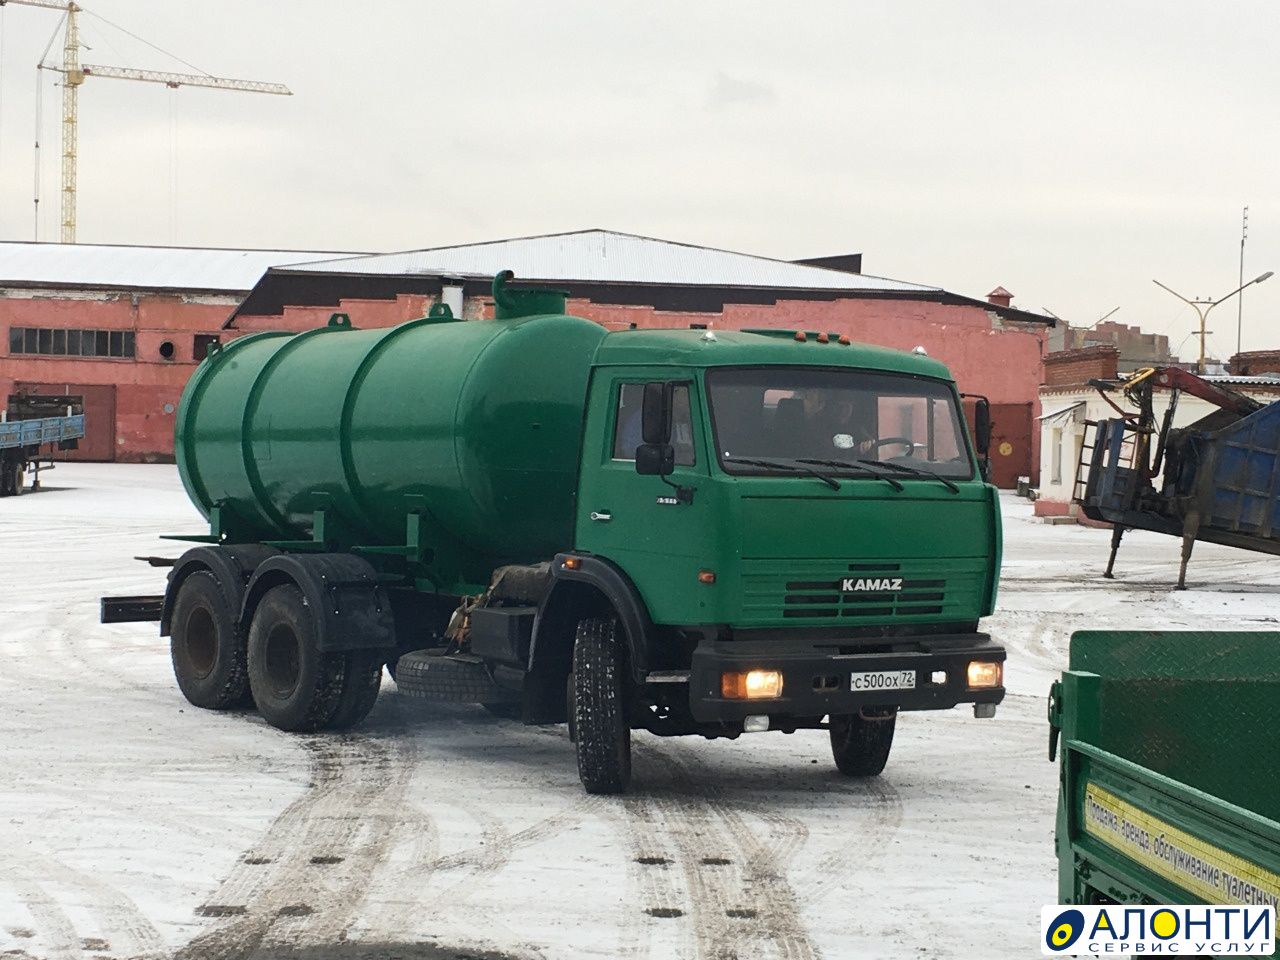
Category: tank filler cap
[920,352]
[708,337]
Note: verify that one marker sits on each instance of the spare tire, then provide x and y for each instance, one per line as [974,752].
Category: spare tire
[207,646]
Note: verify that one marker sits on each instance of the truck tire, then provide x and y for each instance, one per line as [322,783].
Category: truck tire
[206,645]
[295,685]
[602,729]
[19,480]
[361,680]
[458,678]
[861,745]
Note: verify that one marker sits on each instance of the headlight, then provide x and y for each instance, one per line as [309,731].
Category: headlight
[751,685]
[983,675]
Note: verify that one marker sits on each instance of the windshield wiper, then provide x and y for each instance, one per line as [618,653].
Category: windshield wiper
[845,465]
[774,464]
[914,471]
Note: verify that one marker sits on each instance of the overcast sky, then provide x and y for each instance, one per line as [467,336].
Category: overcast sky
[1071,152]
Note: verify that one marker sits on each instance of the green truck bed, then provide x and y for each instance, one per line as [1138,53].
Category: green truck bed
[1170,768]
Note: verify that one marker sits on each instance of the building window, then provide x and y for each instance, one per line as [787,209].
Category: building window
[60,342]
[202,343]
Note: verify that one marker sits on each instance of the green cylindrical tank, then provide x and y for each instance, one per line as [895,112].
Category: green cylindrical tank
[470,429]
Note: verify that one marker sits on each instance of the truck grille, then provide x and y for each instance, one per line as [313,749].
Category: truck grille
[776,590]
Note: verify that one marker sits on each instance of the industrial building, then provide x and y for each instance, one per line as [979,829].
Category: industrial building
[153,311]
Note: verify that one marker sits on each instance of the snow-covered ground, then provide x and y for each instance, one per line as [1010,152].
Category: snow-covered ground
[132,824]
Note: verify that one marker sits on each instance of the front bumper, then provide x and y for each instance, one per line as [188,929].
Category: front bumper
[808,670]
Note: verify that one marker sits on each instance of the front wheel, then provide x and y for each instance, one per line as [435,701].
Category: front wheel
[860,744]
[598,713]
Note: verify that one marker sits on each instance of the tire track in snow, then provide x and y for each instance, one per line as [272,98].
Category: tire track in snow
[304,881]
[118,918]
[732,885]
[53,926]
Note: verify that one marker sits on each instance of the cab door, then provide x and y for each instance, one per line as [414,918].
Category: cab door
[658,536]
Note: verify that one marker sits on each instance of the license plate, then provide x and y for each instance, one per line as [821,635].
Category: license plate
[871,680]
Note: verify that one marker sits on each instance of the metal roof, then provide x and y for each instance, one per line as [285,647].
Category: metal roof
[604,256]
[26,264]
[1062,410]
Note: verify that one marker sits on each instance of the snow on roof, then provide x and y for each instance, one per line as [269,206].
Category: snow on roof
[604,256]
[29,264]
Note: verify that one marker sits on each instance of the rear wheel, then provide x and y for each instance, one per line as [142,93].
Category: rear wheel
[361,680]
[860,745]
[601,728]
[207,646]
[19,480]
[295,685]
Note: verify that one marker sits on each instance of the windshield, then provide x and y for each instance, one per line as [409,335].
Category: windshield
[836,416]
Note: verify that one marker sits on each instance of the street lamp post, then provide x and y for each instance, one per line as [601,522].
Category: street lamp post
[1202,308]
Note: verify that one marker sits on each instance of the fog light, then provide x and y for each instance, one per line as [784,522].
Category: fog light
[758,723]
[751,685]
[983,675]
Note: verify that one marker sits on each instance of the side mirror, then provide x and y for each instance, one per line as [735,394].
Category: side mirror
[982,426]
[655,459]
[655,414]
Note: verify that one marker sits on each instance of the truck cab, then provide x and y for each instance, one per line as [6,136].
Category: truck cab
[804,525]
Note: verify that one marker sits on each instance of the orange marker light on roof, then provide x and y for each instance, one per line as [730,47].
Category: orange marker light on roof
[800,335]
[706,576]
[844,339]
[822,338]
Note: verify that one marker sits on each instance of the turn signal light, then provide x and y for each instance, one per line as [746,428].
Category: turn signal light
[983,675]
[751,685]
[706,576]
[572,563]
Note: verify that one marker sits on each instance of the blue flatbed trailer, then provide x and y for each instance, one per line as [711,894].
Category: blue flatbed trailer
[21,443]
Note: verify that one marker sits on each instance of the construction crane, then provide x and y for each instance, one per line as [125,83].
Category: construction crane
[73,75]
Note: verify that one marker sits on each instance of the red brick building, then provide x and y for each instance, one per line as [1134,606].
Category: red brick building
[616,279]
[123,326]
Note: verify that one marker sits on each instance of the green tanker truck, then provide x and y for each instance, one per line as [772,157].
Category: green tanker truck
[679,531]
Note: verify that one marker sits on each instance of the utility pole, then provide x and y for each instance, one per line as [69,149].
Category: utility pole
[1244,233]
[1202,308]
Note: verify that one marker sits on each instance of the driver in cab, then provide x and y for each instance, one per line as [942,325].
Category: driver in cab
[830,425]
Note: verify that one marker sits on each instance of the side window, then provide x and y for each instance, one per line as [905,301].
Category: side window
[627,434]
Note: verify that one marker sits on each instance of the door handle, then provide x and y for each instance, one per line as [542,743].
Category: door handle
[602,515]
